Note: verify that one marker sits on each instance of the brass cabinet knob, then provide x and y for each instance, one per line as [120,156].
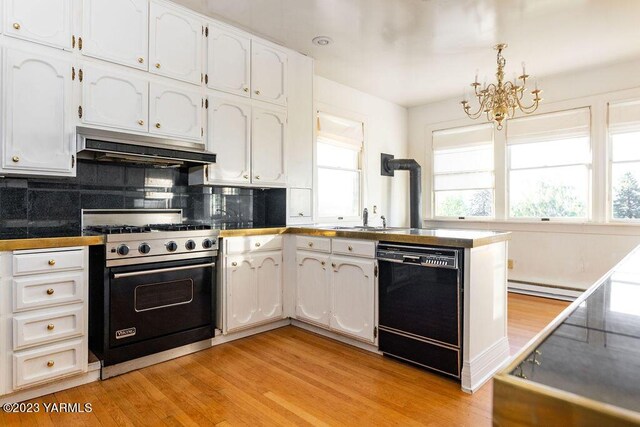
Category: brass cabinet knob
[50,363]
[141,122]
[333,264]
[310,244]
[322,263]
[52,262]
[158,126]
[257,176]
[50,327]
[300,214]
[350,248]
[246,89]
[141,60]
[50,291]
[235,264]
[15,159]
[257,244]
[16,25]
[157,65]
[257,92]
[245,176]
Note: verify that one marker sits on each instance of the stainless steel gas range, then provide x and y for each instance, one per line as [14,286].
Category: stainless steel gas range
[152,284]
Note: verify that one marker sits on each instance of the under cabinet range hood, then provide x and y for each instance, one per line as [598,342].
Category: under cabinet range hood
[102,145]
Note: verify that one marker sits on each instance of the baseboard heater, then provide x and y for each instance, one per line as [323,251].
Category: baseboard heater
[544,290]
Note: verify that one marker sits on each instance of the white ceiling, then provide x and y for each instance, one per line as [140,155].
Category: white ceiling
[416,51]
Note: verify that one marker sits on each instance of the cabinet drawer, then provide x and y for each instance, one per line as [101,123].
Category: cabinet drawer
[47,290]
[318,244]
[238,245]
[363,248]
[47,363]
[46,326]
[43,262]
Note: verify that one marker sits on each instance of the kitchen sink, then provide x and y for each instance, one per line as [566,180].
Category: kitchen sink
[366,228]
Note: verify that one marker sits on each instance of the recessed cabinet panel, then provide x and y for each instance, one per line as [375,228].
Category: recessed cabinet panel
[229,59]
[242,292]
[175,43]
[36,102]
[313,288]
[114,100]
[268,74]
[42,21]
[229,136]
[300,202]
[268,142]
[269,284]
[116,31]
[352,297]
[175,112]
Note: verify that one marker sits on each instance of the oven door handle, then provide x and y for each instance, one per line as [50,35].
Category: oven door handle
[162,270]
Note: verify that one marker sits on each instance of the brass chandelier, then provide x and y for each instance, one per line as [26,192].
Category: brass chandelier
[499,101]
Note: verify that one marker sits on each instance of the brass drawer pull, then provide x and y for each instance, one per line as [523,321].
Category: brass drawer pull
[141,122]
[310,244]
[15,159]
[350,248]
[234,264]
[50,291]
[16,25]
[246,89]
[158,125]
[141,60]
[50,363]
[333,264]
[257,244]
[245,176]
[52,262]
[322,263]
[157,65]
[50,327]
[257,92]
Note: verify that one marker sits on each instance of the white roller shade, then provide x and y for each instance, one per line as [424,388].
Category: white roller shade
[547,127]
[338,129]
[624,116]
[463,137]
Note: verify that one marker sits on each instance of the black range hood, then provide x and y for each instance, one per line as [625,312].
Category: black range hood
[95,144]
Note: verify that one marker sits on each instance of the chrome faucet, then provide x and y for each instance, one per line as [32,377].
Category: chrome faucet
[365,217]
[384,221]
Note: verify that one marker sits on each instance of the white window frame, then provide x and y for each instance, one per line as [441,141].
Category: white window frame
[432,175]
[335,111]
[589,201]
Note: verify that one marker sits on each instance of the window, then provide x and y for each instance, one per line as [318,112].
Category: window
[463,176]
[339,148]
[549,165]
[624,136]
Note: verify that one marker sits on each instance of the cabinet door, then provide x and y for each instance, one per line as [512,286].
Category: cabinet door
[267,147]
[116,31]
[175,43]
[229,136]
[37,103]
[229,61]
[313,288]
[269,282]
[41,21]
[268,73]
[242,292]
[175,112]
[300,203]
[300,122]
[114,100]
[352,296]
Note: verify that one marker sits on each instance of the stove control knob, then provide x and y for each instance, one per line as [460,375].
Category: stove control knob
[144,248]
[207,243]
[190,245]
[172,246]
[123,250]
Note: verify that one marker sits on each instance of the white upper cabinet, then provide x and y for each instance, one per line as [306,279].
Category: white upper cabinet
[114,100]
[268,73]
[175,43]
[268,144]
[41,21]
[175,112]
[36,98]
[116,31]
[229,61]
[269,285]
[353,297]
[229,136]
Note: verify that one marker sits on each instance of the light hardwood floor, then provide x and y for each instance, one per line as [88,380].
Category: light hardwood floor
[288,377]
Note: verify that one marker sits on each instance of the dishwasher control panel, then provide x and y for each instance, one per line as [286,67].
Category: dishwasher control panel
[418,255]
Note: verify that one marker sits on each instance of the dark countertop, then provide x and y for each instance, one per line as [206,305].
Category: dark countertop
[592,350]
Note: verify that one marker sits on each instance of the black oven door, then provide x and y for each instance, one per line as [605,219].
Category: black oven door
[152,301]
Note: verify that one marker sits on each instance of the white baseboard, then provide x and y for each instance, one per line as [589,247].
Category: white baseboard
[545,291]
[329,334]
[232,336]
[478,371]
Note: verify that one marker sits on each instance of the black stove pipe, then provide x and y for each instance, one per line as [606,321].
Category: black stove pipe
[389,165]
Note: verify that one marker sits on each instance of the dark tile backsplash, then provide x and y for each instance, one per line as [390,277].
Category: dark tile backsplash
[41,207]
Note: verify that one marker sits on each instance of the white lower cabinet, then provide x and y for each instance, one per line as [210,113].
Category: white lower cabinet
[252,283]
[337,292]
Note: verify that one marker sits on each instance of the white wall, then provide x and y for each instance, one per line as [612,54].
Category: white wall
[385,132]
[568,255]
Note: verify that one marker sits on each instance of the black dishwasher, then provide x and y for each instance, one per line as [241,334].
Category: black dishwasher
[420,305]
